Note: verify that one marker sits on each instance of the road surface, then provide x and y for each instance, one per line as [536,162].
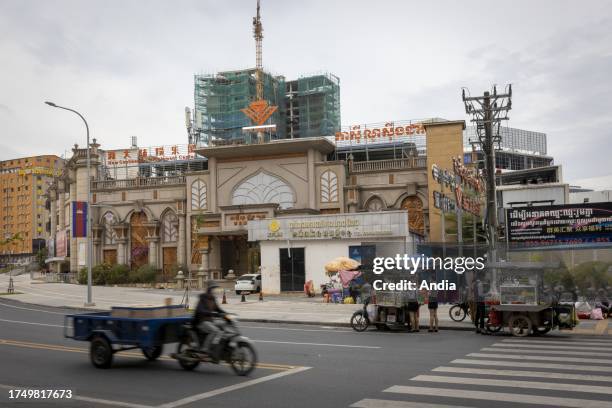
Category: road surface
[313,366]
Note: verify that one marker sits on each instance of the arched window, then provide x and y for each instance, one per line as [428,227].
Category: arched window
[110,236]
[263,188]
[375,204]
[198,195]
[169,227]
[329,187]
[416,221]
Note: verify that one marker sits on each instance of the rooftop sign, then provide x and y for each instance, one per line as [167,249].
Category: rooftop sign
[380,132]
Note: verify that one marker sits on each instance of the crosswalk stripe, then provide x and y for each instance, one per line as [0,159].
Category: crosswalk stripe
[499,396]
[379,403]
[553,347]
[566,343]
[522,373]
[533,385]
[564,352]
[545,358]
[520,364]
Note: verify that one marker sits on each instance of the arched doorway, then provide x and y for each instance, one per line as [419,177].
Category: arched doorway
[416,221]
[139,249]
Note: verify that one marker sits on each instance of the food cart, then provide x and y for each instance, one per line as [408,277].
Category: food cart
[387,311]
[522,308]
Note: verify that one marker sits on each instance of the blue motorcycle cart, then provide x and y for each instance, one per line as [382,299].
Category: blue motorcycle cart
[108,333]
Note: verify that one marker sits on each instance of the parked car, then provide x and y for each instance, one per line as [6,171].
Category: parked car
[248,283]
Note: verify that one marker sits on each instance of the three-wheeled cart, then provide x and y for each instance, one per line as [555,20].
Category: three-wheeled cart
[523,320]
[109,334]
[523,311]
[388,311]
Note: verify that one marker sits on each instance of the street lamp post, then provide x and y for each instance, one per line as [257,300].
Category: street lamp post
[89,217]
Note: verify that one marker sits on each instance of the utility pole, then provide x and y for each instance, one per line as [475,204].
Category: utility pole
[487,112]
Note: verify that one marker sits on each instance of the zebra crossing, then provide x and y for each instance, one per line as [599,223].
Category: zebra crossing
[558,372]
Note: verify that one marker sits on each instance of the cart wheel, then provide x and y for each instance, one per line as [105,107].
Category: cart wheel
[189,341]
[520,325]
[540,331]
[100,352]
[493,328]
[457,313]
[243,359]
[153,353]
[359,322]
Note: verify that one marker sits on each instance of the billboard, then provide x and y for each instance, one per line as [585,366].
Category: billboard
[560,224]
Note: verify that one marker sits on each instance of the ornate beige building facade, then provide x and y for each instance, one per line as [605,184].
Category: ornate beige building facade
[196,219]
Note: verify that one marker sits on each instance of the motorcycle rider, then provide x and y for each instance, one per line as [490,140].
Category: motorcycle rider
[203,319]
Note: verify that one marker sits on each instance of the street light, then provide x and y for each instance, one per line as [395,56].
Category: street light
[89,218]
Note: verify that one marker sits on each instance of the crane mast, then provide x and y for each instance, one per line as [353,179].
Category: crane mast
[258,35]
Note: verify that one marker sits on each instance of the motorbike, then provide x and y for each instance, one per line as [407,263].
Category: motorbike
[233,348]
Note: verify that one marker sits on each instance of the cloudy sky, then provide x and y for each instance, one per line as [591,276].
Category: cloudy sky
[128,65]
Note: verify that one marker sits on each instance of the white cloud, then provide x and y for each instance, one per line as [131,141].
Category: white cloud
[128,66]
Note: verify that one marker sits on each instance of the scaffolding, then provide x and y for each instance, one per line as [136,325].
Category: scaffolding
[219,99]
[313,106]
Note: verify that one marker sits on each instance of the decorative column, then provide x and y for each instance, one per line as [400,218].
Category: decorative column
[153,241]
[312,196]
[62,206]
[203,274]
[121,244]
[121,232]
[180,250]
[53,211]
[74,247]
[212,187]
[97,244]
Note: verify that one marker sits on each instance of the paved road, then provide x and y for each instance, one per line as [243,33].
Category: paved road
[314,366]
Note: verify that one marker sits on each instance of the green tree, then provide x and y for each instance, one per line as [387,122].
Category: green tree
[41,256]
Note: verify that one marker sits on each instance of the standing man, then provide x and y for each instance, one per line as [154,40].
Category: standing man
[480,307]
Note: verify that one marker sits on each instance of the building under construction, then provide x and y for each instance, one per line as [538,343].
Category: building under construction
[308,106]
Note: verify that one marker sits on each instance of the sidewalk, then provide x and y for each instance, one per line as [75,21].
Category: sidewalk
[274,309]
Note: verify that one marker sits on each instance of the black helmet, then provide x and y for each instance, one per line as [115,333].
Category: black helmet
[212,286]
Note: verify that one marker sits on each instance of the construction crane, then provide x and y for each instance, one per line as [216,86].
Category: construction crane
[258,35]
[258,110]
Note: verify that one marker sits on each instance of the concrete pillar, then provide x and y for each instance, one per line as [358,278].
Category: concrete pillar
[74,259]
[203,274]
[312,198]
[212,188]
[121,243]
[180,250]
[53,211]
[153,244]
[180,280]
[97,258]
[62,204]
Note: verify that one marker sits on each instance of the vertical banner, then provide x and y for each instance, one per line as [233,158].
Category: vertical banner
[79,219]
[61,247]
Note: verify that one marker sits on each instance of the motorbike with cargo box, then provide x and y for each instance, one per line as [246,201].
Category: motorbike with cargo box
[149,329]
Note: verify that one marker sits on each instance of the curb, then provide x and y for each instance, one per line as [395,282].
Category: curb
[250,320]
[339,324]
